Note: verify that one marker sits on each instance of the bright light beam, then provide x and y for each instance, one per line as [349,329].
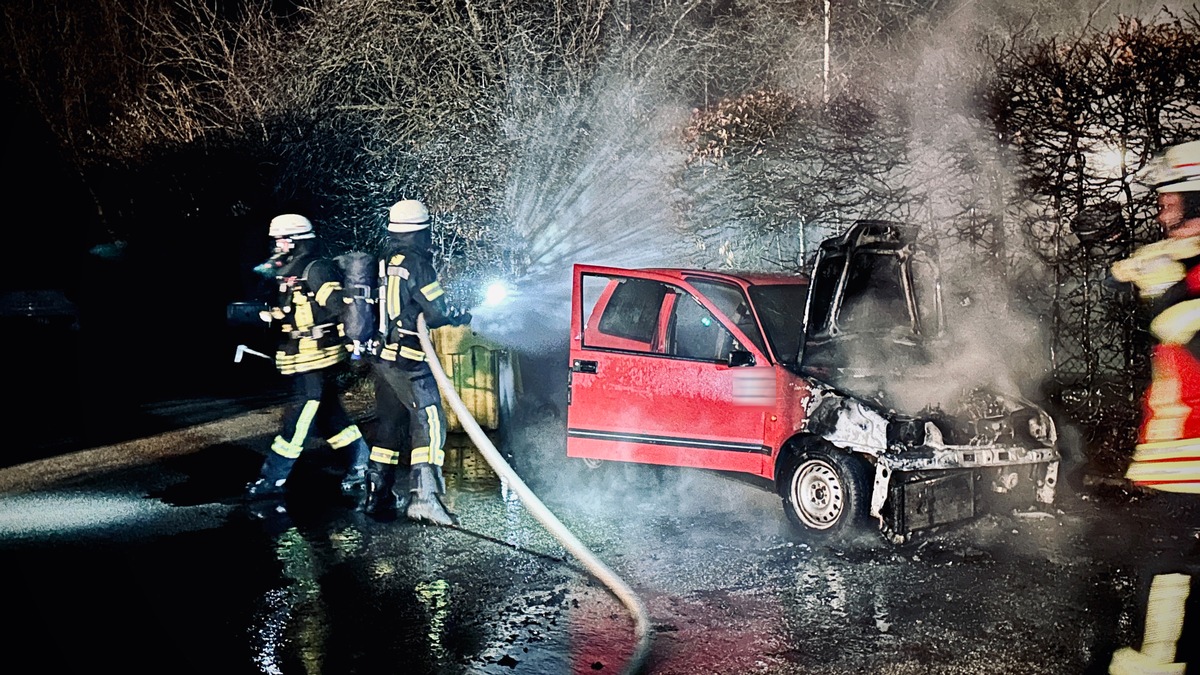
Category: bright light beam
[497,293]
[1109,161]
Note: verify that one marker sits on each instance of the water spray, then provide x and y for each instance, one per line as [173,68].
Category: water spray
[538,510]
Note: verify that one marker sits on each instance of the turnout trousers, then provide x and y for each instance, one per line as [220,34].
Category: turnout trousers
[410,413]
[316,406]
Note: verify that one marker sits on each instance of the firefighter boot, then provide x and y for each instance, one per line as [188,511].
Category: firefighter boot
[354,483]
[381,499]
[271,477]
[425,490]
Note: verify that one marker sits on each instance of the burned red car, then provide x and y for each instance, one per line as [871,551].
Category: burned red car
[784,379]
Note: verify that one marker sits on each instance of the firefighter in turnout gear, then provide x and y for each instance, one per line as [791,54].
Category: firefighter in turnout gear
[1167,456]
[311,351]
[1167,275]
[407,401]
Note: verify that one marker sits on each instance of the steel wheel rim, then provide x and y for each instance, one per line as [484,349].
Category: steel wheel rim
[592,463]
[818,495]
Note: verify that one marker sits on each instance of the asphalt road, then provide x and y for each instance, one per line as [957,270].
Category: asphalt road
[135,558]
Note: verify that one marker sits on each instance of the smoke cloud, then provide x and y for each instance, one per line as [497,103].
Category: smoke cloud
[597,182]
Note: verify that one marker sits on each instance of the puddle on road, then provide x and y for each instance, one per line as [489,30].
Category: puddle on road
[326,590]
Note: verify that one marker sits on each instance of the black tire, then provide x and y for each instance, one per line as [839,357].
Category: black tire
[826,493]
[597,472]
[593,466]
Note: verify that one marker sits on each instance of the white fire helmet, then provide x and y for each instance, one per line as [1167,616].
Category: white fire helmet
[1178,170]
[291,226]
[408,215]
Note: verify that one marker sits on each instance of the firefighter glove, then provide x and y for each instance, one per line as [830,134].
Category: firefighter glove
[460,318]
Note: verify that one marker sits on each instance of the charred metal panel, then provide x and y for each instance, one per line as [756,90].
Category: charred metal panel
[919,500]
[958,457]
[846,422]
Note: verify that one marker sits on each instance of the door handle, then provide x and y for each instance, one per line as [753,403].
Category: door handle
[581,366]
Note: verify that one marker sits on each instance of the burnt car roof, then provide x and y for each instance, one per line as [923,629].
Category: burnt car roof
[877,234]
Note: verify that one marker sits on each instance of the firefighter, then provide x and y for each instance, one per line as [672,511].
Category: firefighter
[311,352]
[1167,275]
[407,400]
[1167,456]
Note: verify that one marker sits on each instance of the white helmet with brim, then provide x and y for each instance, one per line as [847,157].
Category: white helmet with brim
[1178,170]
[408,215]
[291,226]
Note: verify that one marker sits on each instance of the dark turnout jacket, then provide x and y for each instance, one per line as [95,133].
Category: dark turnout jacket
[308,309]
[410,288]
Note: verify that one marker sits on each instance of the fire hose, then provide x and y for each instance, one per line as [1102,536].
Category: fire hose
[538,510]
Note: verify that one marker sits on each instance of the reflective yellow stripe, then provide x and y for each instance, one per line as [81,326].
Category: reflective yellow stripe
[410,353]
[432,291]
[345,437]
[436,453]
[1177,325]
[1166,610]
[426,454]
[327,290]
[393,297]
[393,288]
[1171,476]
[303,424]
[290,364]
[384,455]
[1191,488]
[284,449]
[303,313]
[1181,448]
[1168,470]
[1170,466]
[433,452]
[1168,411]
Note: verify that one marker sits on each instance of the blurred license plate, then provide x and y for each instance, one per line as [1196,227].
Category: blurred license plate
[754,387]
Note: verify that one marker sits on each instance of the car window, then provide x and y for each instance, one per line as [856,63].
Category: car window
[697,334]
[781,309]
[630,320]
[732,302]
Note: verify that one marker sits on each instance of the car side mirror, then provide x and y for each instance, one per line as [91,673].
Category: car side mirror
[740,359]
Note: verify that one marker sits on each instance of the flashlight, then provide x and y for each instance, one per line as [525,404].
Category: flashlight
[496,293]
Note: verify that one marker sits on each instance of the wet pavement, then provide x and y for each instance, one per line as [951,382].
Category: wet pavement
[150,565]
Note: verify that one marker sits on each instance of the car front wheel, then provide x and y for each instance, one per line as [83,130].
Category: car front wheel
[826,492]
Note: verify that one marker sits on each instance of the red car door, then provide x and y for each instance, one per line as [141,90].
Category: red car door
[651,378]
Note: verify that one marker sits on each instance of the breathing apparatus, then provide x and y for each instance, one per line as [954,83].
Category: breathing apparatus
[267,269]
